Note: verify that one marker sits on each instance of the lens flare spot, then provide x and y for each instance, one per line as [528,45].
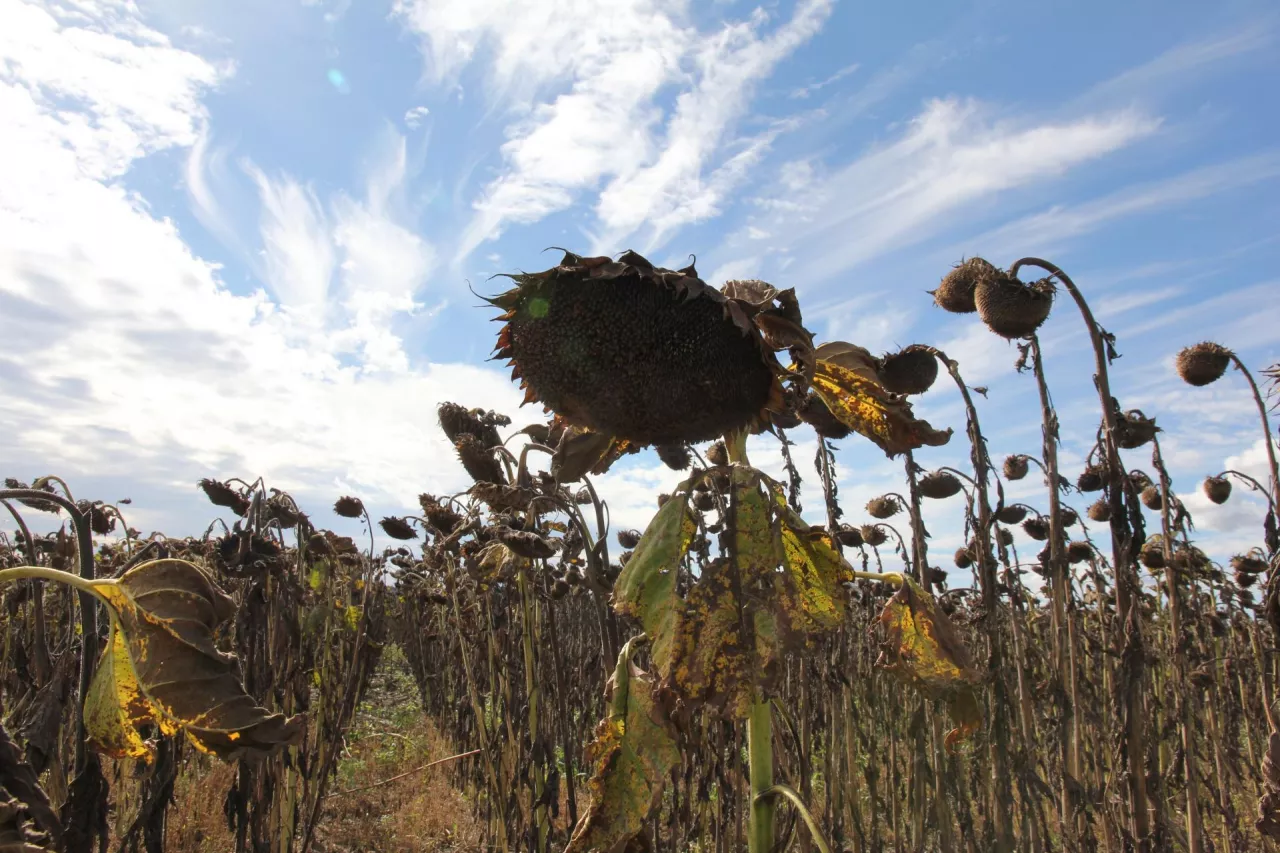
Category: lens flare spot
[338,80]
[538,307]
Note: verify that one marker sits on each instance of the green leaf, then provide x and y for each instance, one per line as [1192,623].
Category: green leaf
[164,613]
[646,588]
[633,752]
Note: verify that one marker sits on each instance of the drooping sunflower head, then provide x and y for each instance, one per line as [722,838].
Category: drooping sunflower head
[646,354]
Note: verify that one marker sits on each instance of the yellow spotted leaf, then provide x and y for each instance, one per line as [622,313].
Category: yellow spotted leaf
[633,753]
[712,661]
[923,649]
[115,707]
[862,405]
[810,596]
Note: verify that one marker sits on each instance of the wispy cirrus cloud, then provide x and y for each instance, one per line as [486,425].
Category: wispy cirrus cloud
[952,154]
[603,126]
[1047,230]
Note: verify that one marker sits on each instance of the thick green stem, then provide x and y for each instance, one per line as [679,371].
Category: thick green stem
[18,573]
[760,757]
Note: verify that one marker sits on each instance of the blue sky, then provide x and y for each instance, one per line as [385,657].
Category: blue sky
[237,238]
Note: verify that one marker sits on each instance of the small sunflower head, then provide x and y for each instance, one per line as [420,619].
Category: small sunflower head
[911,370]
[1217,489]
[1037,527]
[939,485]
[955,292]
[1011,308]
[1012,514]
[873,535]
[349,507]
[1100,511]
[885,506]
[1015,466]
[398,528]
[1203,363]
[1079,552]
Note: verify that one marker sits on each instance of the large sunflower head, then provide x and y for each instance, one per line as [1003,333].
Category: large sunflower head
[650,355]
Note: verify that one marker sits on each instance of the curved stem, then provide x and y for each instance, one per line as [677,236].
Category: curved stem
[1123,551]
[88,609]
[1252,483]
[1266,428]
[45,573]
[809,820]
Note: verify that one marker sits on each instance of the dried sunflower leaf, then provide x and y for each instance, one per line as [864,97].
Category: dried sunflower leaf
[646,588]
[865,407]
[497,560]
[923,649]
[633,752]
[580,451]
[166,612]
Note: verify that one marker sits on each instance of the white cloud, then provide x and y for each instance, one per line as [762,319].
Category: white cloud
[803,92]
[603,127]
[413,118]
[139,367]
[297,251]
[950,155]
[669,192]
[116,91]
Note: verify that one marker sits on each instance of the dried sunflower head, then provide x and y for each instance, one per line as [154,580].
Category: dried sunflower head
[873,535]
[1037,528]
[674,456]
[398,528]
[1100,510]
[939,485]
[348,507]
[1079,552]
[1217,489]
[911,370]
[956,291]
[646,354]
[1134,429]
[1203,363]
[1015,466]
[1011,308]
[885,506]
[1011,514]
[1092,480]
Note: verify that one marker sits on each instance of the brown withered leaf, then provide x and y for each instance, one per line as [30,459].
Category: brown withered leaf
[633,752]
[923,649]
[1268,822]
[164,614]
[865,407]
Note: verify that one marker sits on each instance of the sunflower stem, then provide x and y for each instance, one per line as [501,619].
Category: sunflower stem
[760,758]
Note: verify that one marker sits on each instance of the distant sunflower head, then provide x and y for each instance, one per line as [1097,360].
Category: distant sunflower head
[1203,363]
[647,354]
